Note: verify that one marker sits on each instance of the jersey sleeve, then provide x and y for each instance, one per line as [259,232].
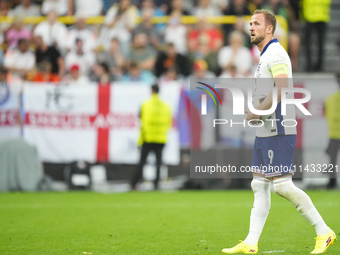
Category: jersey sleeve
[276,59]
[277,64]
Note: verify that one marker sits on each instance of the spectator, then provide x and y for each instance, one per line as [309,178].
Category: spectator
[80,31]
[44,73]
[60,6]
[170,75]
[107,4]
[235,54]
[77,56]
[157,12]
[221,5]
[52,31]
[86,8]
[18,31]
[75,77]
[240,26]
[317,15]
[256,5]
[177,7]
[204,52]
[1,57]
[206,9]
[200,70]
[207,34]
[49,54]
[20,60]
[25,9]
[147,28]
[141,53]
[277,8]
[135,73]
[171,59]
[4,11]
[236,8]
[113,58]
[232,73]
[176,33]
[102,74]
[120,20]
[163,5]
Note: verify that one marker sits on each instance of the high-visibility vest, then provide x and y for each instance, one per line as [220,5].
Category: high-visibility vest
[332,113]
[155,121]
[316,10]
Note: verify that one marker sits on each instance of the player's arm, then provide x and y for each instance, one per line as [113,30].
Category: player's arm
[281,81]
[280,75]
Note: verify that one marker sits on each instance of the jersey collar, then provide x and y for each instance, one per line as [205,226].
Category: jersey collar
[267,45]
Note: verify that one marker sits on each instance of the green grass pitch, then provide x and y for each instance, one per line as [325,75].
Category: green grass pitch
[198,222]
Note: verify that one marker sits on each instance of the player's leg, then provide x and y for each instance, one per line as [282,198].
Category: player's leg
[139,172]
[283,155]
[284,187]
[261,206]
[158,151]
[258,216]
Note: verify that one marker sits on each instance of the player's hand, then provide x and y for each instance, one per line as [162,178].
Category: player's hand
[253,117]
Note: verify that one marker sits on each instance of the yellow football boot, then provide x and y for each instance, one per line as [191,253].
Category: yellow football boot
[323,242]
[241,248]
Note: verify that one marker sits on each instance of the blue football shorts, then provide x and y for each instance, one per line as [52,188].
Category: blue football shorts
[274,156]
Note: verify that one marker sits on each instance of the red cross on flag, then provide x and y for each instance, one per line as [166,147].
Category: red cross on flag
[91,122]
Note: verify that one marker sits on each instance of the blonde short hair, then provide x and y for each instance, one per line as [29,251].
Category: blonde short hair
[269,17]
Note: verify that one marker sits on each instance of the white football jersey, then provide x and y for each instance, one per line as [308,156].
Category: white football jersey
[274,54]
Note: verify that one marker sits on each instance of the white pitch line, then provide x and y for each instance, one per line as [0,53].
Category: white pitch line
[272,251]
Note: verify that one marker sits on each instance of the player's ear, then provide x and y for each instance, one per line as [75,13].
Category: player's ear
[270,29]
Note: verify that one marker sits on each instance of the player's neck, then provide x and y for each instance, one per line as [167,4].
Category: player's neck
[263,44]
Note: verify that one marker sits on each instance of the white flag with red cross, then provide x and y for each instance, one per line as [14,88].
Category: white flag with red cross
[91,122]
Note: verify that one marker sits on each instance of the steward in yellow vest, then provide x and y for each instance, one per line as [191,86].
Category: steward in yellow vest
[332,114]
[156,120]
[316,14]
[316,10]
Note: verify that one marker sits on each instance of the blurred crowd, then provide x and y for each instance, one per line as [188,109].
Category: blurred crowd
[122,49]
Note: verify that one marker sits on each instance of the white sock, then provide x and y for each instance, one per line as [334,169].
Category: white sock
[259,213]
[285,187]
